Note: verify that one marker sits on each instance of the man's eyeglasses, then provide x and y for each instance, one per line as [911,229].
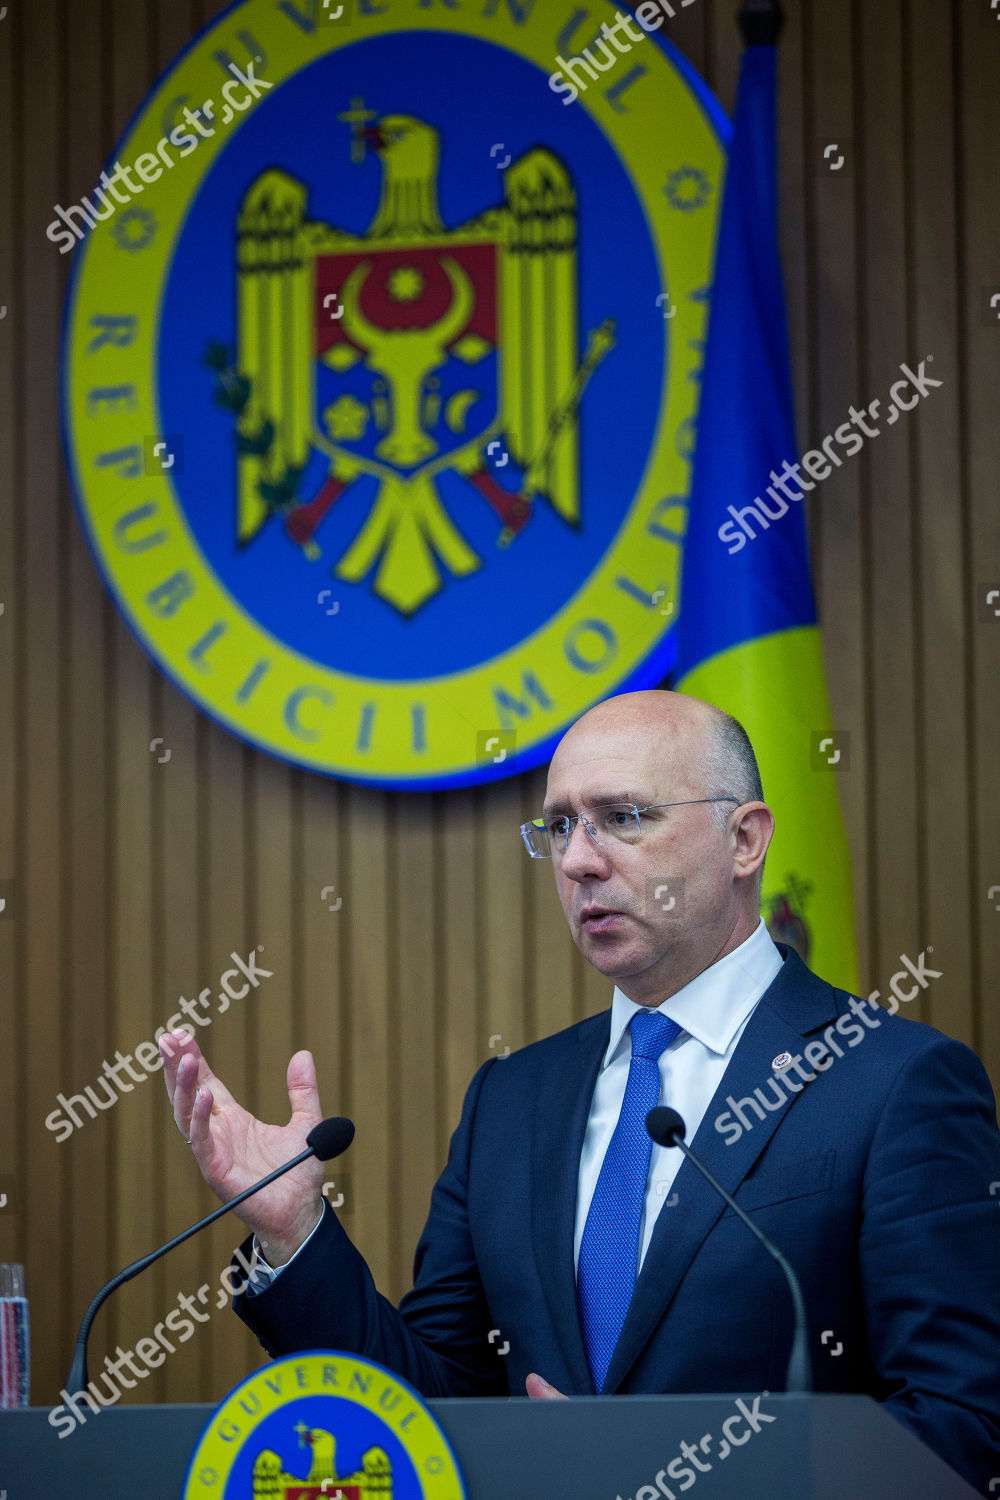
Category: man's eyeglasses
[614,823]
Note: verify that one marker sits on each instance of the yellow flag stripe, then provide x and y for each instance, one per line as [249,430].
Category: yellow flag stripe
[776,686]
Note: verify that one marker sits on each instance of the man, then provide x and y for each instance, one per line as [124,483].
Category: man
[607,1263]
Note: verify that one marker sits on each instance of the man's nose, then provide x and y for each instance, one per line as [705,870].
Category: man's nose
[584,855]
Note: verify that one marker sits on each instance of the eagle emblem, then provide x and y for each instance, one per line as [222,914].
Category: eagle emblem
[426,368]
[371,1481]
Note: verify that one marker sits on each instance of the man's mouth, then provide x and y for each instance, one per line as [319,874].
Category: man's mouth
[598,919]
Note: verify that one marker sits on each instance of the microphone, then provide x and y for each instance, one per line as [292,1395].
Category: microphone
[325,1141]
[667,1129]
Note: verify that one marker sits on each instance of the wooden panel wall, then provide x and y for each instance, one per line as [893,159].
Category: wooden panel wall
[135,879]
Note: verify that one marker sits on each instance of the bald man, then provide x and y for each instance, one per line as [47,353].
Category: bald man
[863,1143]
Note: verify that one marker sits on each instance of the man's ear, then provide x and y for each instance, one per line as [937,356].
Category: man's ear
[753,830]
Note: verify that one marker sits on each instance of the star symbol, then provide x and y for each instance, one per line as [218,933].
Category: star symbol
[405,284]
[347,418]
[134,229]
[687,188]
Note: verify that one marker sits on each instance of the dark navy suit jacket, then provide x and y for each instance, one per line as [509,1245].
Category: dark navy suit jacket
[874,1180]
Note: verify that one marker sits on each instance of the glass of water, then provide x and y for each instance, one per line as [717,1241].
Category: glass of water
[14,1346]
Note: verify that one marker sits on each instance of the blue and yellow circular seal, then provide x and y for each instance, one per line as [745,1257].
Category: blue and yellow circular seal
[382,364]
[323,1424]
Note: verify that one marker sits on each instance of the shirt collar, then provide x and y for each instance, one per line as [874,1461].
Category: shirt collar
[713,1005]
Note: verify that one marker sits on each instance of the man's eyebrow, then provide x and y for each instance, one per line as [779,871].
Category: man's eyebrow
[597,799]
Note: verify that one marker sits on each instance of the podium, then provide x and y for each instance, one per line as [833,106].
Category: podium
[590,1448]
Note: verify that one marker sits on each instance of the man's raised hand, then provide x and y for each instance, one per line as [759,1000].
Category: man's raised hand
[235,1150]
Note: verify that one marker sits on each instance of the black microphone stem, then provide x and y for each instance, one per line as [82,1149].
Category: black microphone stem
[799,1378]
[77,1380]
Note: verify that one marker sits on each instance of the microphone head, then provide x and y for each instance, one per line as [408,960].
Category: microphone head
[665,1125]
[330,1137]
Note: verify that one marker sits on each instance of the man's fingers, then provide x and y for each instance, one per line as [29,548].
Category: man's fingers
[540,1390]
[199,1127]
[303,1092]
[185,1093]
[175,1046]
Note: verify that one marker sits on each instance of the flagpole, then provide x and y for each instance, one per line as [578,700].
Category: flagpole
[760,22]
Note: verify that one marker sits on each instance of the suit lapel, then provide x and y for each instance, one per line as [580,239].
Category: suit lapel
[795,1003]
[561,1112]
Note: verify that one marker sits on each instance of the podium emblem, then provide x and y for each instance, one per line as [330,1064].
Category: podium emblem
[323,1424]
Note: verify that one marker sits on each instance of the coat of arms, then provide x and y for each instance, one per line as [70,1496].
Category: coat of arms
[382,439]
[438,365]
[372,1481]
[299,1413]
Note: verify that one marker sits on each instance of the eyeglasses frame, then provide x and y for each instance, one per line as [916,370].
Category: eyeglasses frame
[572,821]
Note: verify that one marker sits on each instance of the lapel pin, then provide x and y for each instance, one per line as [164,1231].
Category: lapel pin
[782,1060]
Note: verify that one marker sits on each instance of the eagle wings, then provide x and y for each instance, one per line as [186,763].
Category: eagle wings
[534,234]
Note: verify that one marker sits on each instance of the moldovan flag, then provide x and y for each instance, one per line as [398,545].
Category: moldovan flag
[748,638]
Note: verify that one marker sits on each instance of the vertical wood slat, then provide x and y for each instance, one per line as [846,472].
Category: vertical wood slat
[41,869]
[137,974]
[978,122]
[503,975]
[135,983]
[939,513]
[448,935]
[370,1084]
[232,1348]
[91,1193]
[179,920]
[181,924]
[837,504]
[14,1129]
[887,560]
[460,921]
[794,190]
[416,1062]
[226,1045]
[690,30]
[326,998]
[719,63]
[273,937]
[550,947]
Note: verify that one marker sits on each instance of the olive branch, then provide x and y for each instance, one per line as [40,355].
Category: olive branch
[233,391]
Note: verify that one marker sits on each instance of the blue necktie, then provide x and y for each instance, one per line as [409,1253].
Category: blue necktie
[609,1248]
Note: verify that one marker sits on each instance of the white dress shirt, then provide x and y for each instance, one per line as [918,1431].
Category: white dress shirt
[712,1009]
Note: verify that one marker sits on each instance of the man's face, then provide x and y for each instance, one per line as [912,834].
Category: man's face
[640,910]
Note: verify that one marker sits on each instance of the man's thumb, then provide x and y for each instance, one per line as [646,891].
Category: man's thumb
[303,1094]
